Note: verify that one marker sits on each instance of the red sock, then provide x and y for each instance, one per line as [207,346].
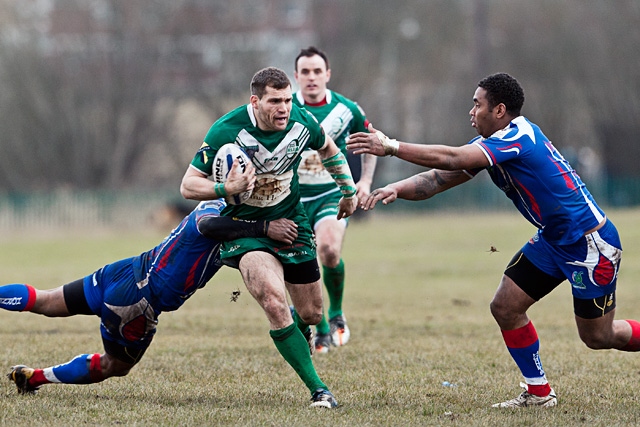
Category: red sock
[38,378]
[539,390]
[95,369]
[32,297]
[634,341]
[523,345]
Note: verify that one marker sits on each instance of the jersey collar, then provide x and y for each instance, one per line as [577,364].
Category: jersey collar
[327,99]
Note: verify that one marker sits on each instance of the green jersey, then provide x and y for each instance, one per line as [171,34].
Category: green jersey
[274,154]
[339,117]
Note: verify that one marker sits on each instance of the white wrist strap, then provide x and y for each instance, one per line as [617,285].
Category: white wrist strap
[390,145]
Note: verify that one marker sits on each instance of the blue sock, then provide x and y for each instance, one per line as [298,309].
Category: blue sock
[81,369]
[17,297]
[524,347]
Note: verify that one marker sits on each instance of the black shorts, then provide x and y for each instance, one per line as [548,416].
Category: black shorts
[299,274]
[537,284]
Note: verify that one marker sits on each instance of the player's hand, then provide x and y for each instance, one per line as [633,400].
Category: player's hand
[385,194]
[362,190]
[283,230]
[371,143]
[238,181]
[347,207]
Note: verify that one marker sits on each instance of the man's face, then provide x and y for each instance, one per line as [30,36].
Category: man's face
[273,110]
[312,77]
[482,117]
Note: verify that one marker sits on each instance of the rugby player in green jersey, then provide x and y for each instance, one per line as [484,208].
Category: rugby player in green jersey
[274,133]
[339,117]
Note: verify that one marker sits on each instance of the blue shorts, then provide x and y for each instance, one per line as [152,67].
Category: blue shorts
[591,264]
[127,316]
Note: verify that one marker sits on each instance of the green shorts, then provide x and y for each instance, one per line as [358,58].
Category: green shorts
[322,206]
[303,249]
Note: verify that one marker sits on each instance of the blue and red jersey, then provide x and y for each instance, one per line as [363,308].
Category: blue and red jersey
[184,262]
[539,181]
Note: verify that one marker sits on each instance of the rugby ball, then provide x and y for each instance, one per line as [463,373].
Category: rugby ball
[222,163]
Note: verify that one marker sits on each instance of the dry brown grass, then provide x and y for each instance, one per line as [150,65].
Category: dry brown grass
[417,303]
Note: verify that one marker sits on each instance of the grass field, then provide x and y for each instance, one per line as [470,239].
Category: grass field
[417,303]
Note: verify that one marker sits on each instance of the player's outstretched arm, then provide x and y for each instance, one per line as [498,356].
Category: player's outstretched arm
[444,157]
[418,187]
[225,228]
[368,165]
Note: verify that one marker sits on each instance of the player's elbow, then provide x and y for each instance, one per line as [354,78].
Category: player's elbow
[186,191]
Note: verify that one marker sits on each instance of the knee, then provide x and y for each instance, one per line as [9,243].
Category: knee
[506,315]
[596,341]
[311,317]
[112,367]
[498,309]
[120,372]
[329,255]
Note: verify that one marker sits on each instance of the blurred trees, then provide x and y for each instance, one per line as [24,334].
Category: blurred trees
[577,61]
[80,109]
[110,93]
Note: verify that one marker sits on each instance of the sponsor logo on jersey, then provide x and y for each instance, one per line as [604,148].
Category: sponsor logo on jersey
[515,148]
[203,152]
[295,254]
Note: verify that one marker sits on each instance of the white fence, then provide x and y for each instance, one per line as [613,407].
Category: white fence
[66,209]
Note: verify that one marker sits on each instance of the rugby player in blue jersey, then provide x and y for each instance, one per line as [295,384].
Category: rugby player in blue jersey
[129,295]
[575,241]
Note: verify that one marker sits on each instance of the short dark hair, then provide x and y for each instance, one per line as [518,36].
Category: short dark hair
[309,52]
[271,77]
[503,89]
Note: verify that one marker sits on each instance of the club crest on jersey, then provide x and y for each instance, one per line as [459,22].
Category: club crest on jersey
[292,148]
[576,280]
[337,126]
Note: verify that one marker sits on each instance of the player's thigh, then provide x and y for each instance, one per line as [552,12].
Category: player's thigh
[262,274]
[304,286]
[330,233]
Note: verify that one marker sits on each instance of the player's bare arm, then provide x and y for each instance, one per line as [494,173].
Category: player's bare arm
[418,187]
[368,162]
[197,186]
[444,157]
[336,164]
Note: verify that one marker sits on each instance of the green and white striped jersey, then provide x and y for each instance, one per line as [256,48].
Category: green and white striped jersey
[276,156]
[339,117]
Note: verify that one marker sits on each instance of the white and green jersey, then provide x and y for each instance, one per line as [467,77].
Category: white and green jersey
[274,154]
[339,117]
